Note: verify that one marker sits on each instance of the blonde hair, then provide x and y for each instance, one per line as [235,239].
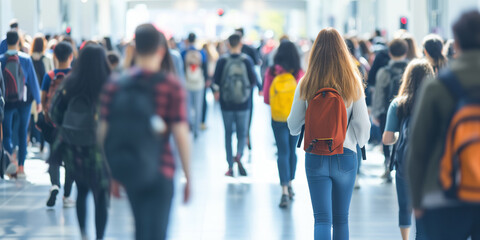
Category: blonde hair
[331,65]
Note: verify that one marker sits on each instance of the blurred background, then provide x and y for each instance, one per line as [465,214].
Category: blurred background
[216,19]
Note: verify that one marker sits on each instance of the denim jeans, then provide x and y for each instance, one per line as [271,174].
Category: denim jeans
[452,223]
[23,112]
[331,180]
[195,110]
[405,207]
[286,146]
[240,120]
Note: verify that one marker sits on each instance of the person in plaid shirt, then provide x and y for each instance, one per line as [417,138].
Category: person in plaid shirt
[151,205]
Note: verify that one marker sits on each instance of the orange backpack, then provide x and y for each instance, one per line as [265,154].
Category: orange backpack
[460,164]
[325,123]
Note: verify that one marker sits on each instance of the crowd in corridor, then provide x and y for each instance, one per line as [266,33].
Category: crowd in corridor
[117,117]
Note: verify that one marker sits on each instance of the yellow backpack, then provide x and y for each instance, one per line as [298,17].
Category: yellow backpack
[282,91]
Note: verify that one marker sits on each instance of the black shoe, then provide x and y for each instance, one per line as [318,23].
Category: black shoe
[241,169]
[291,194]
[53,196]
[284,201]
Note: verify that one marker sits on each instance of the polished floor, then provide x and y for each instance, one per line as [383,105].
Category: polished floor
[220,208]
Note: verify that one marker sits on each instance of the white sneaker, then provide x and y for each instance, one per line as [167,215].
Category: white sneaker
[11,169]
[68,202]
[21,175]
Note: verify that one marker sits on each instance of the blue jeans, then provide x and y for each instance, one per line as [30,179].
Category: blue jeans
[195,110]
[331,180]
[452,223]
[286,146]
[23,112]
[240,120]
[405,207]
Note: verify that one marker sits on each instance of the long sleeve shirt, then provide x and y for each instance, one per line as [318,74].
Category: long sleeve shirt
[431,116]
[358,131]
[28,70]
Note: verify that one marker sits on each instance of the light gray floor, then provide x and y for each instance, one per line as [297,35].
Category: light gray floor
[221,207]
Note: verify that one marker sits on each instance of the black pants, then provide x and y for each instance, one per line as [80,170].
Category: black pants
[101,199]
[151,209]
[54,172]
[386,148]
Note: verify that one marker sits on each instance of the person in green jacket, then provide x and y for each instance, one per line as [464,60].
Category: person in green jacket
[443,218]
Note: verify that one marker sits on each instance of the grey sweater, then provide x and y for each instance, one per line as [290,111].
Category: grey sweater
[358,131]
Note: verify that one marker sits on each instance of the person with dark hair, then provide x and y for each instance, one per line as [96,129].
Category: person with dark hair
[234,80]
[196,75]
[386,87]
[433,50]
[3,44]
[253,54]
[77,98]
[42,64]
[63,54]
[286,70]
[153,76]
[448,211]
[398,120]
[20,82]
[450,52]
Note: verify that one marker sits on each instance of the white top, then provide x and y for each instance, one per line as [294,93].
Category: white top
[358,131]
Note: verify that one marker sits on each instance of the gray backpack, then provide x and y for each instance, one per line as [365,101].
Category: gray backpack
[235,86]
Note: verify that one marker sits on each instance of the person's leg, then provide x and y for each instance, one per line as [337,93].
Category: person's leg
[24,118]
[228,119]
[404,207]
[449,223]
[241,124]
[292,145]
[162,203]
[67,188]
[343,173]
[283,164]
[54,172]
[101,212]
[250,117]
[137,203]
[7,130]
[82,192]
[386,148]
[320,186]
[198,111]
[204,107]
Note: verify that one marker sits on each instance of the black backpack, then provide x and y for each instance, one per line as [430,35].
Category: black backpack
[235,86]
[134,140]
[396,73]
[400,148]
[79,123]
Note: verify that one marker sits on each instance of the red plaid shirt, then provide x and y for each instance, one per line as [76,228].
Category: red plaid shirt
[171,106]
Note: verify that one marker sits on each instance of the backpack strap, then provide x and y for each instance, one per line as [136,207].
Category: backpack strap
[51,74]
[450,80]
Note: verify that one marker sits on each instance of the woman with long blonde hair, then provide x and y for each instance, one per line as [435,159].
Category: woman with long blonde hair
[331,177]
